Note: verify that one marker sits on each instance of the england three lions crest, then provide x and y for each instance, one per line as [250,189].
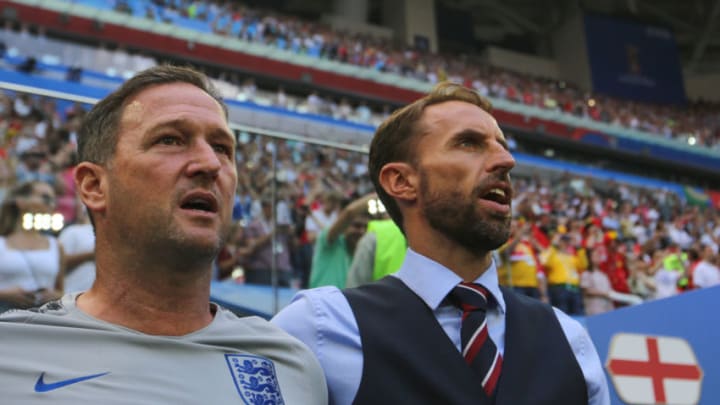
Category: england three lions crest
[255,379]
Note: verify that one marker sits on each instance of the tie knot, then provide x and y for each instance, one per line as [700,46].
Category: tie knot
[470,297]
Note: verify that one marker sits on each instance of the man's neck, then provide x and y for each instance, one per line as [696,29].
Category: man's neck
[148,299]
[466,264]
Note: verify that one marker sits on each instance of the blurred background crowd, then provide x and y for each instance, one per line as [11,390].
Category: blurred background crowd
[234,19]
[584,244]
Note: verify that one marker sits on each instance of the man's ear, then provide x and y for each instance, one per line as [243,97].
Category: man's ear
[91,184]
[399,180]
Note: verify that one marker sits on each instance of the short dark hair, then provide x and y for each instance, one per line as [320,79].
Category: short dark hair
[396,137]
[98,133]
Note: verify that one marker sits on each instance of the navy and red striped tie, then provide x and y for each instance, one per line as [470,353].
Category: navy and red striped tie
[478,349]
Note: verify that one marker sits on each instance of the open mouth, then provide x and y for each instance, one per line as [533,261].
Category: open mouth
[500,195]
[200,202]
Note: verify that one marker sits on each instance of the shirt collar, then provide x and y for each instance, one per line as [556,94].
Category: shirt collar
[432,281]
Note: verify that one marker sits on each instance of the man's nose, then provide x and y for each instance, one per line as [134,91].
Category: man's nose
[502,159]
[204,160]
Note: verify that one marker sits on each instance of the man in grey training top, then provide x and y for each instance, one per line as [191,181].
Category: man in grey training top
[158,176]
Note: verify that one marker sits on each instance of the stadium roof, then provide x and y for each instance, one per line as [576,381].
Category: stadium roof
[526,25]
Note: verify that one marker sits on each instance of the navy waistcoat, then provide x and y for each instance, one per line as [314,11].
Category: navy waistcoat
[409,359]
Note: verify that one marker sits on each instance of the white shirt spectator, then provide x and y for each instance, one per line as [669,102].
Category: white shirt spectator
[610,222]
[363,113]
[21,108]
[360,169]
[640,233]
[320,221]
[708,240]
[680,237]
[706,275]
[76,239]
[652,215]
[314,103]
[282,213]
[281,99]
[666,283]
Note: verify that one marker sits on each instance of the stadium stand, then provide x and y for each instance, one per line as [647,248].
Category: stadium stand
[304,38]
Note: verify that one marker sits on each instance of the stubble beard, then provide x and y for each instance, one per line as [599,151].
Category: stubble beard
[157,233]
[188,249]
[456,216]
[163,236]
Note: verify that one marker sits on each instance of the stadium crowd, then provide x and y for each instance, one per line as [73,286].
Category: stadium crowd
[574,238]
[696,123]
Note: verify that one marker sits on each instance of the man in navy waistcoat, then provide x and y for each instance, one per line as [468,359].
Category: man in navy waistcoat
[441,167]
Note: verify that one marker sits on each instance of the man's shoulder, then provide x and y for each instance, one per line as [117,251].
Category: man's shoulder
[570,326]
[254,332]
[59,315]
[328,306]
[227,322]
[51,311]
[318,298]
[322,307]
[524,300]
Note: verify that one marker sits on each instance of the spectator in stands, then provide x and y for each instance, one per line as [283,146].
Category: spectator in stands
[31,263]
[28,66]
[441,168]
[706,273]
[521,269]
[78,243]
[335,245]
[380,252]
[314,103]
[641,283]
[157,173]
[677,233]
[281,99]
[7,176]
[666,272]
[74,74]
[268,238]
[564,262]
[596,288]
[68,202]
[122,6]
[614,262]
[324,215]
[33,166]
[233,255]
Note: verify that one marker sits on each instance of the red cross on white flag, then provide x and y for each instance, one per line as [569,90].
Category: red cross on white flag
[654,370]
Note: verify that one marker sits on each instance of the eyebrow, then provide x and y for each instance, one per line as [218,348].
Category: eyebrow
[469,132]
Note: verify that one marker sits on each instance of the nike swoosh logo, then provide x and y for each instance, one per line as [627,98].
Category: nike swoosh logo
[41,386]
